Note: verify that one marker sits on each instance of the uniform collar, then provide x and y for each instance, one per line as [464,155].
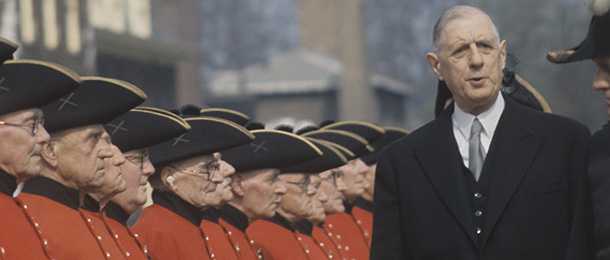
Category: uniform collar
[177,205]
[234,216]
[114,211]
[348,207]
[90,204]
[304,227]
[8,183]
[281,221]
[55,191]
[212,215]
[364,204]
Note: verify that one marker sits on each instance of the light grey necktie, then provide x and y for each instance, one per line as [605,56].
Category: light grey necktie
[476,153]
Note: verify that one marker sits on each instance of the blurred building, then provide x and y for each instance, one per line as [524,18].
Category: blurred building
[153,44]
[327,77]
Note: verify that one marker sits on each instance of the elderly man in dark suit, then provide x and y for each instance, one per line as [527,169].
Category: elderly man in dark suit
[488,178]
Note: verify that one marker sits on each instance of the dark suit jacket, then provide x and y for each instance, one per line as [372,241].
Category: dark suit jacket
[599,174]
[422,207]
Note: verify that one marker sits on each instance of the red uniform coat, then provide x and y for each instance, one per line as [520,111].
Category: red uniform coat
[347,234]
[363,215]
[235,223]
[18,240]
[275,237]
[326,243]
[90,212]
[53,211]
[170,228]
[219,245]
[116,222]
[309,245]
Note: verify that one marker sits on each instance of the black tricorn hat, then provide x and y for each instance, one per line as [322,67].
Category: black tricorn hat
[365,130]
[227,114]
[391,134]
[30,83]
[207,135]
[7,48]
[142,127]
[271,149]
[331,158]
[97,101]
[353,142]
[597,42]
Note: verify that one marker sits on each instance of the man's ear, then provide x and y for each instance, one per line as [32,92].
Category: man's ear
[434,64]
[503,53]
[236,184]
[167,178]
[49,153]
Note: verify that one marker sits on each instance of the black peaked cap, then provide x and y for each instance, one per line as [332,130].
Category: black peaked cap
[391,134]
[331,158]
[366,130]
[271,149]
[353,142]
[30,83]
[142,127]
[97,101]
[207,135]
[227,114]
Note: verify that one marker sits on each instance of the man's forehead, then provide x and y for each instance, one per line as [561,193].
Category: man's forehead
[24,113]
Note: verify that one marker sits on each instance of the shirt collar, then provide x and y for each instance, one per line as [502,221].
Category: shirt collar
[489,119]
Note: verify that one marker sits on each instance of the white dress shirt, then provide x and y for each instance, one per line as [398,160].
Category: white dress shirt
[462,122]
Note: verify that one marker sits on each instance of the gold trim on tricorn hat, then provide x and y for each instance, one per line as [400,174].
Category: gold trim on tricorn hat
[271,149]
[207,136]
[97,101]
[31,83]
[368,131]
[353,142]
[140,128]
[391,134]
[228,114]
[331,158]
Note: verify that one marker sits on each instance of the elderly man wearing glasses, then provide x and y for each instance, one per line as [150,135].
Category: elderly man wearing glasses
[73,164]
[25,86]
[187,171]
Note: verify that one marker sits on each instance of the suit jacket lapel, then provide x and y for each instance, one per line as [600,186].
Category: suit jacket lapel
[513,149]
[442,162]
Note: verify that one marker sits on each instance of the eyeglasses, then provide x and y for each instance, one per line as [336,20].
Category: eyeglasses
[138,160]
[210,170]
[304,184]
[39,121]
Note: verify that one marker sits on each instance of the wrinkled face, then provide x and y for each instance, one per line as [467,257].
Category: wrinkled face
[354,173]
[191,181]
[601,81]
[370,178]
[333,186]
[298,200]
[224,189]
[80,155]
[263,192]
[136,170]
[113,175]
[318,213]
[19,148]
[470,61]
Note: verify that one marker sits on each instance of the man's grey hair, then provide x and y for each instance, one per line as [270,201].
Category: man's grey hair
[452,14]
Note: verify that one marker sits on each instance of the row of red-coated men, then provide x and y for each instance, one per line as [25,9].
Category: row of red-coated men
[78,152]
